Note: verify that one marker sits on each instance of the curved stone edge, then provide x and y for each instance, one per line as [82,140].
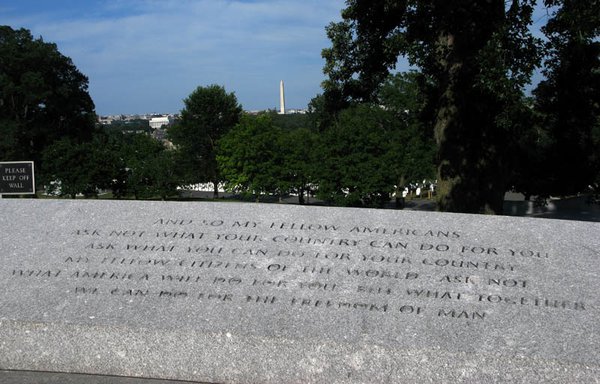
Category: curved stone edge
[183,354]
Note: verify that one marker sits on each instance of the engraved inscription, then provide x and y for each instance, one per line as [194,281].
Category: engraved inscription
[332,268]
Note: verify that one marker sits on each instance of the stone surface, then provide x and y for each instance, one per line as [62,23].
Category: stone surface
[32,377]
[245,293]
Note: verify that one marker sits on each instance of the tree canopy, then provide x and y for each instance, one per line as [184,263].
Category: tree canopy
[133,164]
[258,157]
[568,100]
[209,113]
[249,156]
[367,154]
[43,97]
[72,168]
[474,57]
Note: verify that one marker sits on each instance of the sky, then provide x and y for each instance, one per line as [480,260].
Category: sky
[146,56]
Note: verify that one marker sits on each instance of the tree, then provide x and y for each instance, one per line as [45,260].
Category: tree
[259,157]
[43,97]
[289,121]
[209,113]
[528,177]
[363,156]
[568,100]
[299,160]
[401,95]
[72,168]
[249,156]
[128,164]
[110,144]
[476,57]
[145,165]
[164,174]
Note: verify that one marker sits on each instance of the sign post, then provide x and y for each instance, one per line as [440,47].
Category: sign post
[17,178]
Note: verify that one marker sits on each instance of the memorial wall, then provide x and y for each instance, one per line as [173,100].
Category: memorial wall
[228,292]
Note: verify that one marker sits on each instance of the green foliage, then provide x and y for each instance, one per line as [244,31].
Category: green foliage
[320,115]
[299,161]
[128,164]
[568,100]
[257,157]
[166,175]
[364,46]
[147,168]
[249,156]
[9,145]
[474,58]
[289,122]
[366,154]
[139,153]
[43,97]
[129,126]
[526,141]
[72,168]
[209,113]
[401,94]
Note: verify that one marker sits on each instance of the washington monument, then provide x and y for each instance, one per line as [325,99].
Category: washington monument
[281,99]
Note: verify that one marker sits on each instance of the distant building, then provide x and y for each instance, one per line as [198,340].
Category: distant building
[296,111]
[160,121]
[107,120]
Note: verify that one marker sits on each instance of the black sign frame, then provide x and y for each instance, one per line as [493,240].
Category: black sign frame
[17,178]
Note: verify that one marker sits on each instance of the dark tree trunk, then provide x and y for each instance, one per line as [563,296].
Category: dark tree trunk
[215,189]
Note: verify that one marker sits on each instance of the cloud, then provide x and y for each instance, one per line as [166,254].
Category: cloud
[151,50]
[148,55]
